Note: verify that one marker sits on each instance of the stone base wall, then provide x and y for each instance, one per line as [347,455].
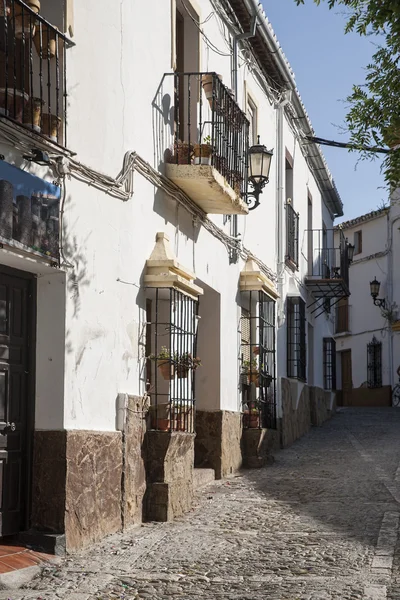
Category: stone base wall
[258,446]
[296,413]
[133,474]
[93,487]
[322,405]
[169,460]
[218,441]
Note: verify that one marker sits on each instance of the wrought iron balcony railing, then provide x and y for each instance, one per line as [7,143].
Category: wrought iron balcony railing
[328,265]
[33,70]
[209,128]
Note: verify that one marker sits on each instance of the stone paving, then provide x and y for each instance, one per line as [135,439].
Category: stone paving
[319,524]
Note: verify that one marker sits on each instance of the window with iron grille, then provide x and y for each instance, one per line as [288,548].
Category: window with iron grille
[296,338]
[171,341]
[329,364]
[258,360]
[292,236]
[374,363]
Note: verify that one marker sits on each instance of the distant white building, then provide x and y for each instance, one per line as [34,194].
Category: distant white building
[366,327]
[111,286]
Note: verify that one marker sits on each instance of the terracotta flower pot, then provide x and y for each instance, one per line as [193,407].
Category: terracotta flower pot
[256,350]
[167,370]
[202,154]
[182,372]
[254,378]
[207,83]
[4,10]
[49,44]
[51,126]
[33,113]
[24,23]
[251,420]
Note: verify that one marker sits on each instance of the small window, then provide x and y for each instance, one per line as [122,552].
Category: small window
[374,363]
[357,242]
[252,117]
[329,354]
[296,338]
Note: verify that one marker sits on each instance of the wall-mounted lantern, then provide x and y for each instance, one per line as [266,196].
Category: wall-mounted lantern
[350,252]
[375,287]
[259,166]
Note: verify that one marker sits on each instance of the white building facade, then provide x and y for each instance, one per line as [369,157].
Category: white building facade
[112,286]
[367,327]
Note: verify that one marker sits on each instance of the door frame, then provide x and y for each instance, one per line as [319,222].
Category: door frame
[31,385]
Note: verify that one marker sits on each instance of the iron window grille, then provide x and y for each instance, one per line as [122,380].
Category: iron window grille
[296,338]
[209,128]
[374,363]
[329,356]
[292,236]
[258,360]
[171,340]
[33,89]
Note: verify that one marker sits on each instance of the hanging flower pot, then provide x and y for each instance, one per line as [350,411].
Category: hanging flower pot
[256,350]
[182,371]
[49,43]
[24,21]
[167,369]
[51,126]
[207,83]
[33,113]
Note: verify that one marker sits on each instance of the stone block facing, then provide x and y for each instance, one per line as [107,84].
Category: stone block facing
[296,414]
[93,486]
[134,475]
[169,461]
[258,446]
[320,406]
[218,441]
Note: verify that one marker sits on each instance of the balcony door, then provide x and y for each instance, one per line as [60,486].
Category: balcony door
[16,297]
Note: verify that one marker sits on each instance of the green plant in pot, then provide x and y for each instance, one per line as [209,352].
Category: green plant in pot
[250,368]
[185,362]
[165,362]
[203,152]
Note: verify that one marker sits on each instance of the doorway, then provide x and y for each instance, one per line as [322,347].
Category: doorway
[17,306]
[347,377]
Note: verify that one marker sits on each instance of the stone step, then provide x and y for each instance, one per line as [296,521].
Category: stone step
[202,477]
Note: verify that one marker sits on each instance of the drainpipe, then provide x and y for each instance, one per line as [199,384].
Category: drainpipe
[390,294]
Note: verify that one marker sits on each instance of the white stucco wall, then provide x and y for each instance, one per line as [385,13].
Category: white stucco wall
[97,304]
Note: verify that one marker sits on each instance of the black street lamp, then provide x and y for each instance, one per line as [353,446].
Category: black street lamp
[259,165]
[350,252]
[375,287]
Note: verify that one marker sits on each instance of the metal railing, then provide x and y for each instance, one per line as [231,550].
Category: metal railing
[209,127]
[33,70]
[326,260]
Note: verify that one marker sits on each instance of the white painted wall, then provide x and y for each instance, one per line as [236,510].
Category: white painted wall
[114,72]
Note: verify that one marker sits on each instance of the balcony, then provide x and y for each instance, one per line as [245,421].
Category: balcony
[207,156]
[328,265]
[29,213]
[32,72]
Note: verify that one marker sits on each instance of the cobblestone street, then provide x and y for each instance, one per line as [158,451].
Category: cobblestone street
[320,523]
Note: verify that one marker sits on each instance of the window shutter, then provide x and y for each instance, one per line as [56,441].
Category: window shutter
[245,332]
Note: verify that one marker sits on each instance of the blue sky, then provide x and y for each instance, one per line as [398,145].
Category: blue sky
[326,63]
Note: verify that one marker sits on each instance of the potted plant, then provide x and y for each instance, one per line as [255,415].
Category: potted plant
[165,362]
[24,21]
[250,368]
[33,113]
[203,152]
[251,417]
[47,49]
[162,417]
[207,83]
[181,153]
[185,362]
[51,126]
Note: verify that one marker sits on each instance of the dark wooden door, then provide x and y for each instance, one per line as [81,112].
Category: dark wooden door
[15,303]
[347,377]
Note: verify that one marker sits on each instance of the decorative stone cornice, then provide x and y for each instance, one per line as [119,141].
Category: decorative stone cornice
[252,279]
[164,271]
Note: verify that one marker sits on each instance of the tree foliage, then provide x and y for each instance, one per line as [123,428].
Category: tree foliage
[373,117]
